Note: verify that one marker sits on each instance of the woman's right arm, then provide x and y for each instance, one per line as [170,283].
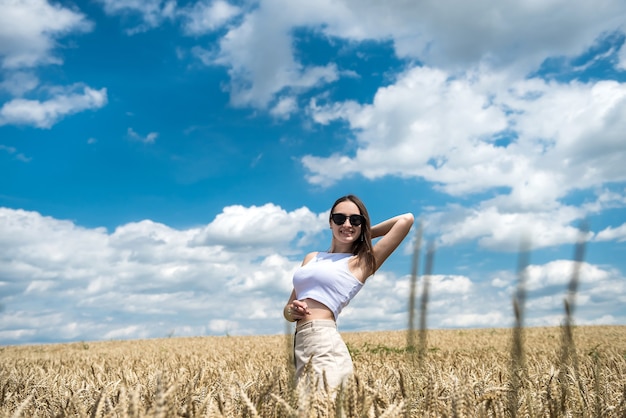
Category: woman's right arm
[287,310]
[296,309]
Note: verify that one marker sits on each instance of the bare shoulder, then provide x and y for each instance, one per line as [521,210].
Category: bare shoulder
[309,257]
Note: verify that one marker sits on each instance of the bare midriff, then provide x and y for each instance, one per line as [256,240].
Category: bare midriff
[317,311]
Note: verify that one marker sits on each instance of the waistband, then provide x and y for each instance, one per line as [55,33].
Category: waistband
[317,323]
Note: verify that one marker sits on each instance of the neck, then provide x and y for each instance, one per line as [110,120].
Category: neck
[336,247]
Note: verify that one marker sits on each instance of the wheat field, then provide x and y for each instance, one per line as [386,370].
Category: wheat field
[453,373]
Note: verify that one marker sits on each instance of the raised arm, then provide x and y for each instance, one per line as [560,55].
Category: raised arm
[392,231]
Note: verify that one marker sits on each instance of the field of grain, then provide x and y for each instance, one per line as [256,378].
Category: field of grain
[454,373]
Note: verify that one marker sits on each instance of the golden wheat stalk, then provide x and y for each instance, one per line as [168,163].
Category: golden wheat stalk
[428,271]
[517,345]
[410,344]
[568,349]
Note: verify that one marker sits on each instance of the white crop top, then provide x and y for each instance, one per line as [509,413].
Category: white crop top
[327,279]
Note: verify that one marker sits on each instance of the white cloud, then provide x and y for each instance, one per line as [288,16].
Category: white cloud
[456,34]
[560,272]
[261,227]
[469,119]
[464,302]
[284,107]
[148,139]
[197,18]
[604,320]
[44,114]
[577,127]
[261,59]
[503,230]
[151,12]
[222,326]
[206,16]
[438,124]
[30,33]
[147,279]
[450,284]
[547,286]
[268,276]
[143,277]
[612,234]
[29,29]
[259,54]
[531,143]
[424,125]
[19,82]
[491,129]
[491,319]
[428,124]
[607,199]
[127,332]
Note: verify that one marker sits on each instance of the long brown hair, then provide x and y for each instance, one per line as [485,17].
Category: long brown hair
[362,247]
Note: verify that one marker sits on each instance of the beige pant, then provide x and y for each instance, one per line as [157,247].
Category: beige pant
[320,351]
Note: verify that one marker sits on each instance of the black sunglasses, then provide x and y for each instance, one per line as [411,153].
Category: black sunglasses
[340,219]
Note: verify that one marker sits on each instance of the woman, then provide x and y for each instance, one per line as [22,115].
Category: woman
[326,282]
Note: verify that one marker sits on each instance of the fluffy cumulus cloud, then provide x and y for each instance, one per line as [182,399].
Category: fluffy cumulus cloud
[270,225]
[469,114]
[207,16]
[260,56]
[29,30]
[547,287]
[535,138]
[143,278]
[44,114]
[444,37]
[146,279]
[470,302]
[533,141]
[502,230]
[424,125]
[30,34]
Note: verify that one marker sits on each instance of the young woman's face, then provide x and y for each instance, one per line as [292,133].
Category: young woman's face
[346,233]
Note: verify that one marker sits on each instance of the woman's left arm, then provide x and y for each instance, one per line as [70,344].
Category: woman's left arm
[392,231]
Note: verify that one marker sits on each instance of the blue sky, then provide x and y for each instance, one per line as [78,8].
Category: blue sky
[165,166]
